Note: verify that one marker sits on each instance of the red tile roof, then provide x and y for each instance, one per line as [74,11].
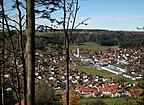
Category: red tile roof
[22,102]
[87,90]
[79,87]
[106,85]
[134,92]
[115,86]
[96,84]
[105,89]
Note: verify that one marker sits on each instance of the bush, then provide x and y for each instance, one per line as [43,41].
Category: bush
[44,94]
[98,102]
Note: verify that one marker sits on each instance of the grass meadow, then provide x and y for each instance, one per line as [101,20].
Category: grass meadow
[101,73]
[111,101]
[92,46]
[93,71]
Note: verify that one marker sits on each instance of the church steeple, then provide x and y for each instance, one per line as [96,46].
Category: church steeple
[78,52]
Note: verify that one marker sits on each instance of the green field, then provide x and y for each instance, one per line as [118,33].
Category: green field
[101,73]
[108,101]
[111,101]
[116,77]
[93,71]
[92,46]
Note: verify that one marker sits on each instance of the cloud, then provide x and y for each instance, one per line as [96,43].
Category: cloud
[115,18]
[126,22]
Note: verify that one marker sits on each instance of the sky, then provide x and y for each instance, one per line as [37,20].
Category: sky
[108,14]
[112,14]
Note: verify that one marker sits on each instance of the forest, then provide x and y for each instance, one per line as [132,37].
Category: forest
[123,39]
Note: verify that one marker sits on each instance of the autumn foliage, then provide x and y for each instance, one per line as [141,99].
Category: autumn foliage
[73,97]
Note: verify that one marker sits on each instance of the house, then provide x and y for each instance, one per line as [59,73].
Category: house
[87,90]
[134,92]
[22,102]
[95,93]
[79,87]
[116,94]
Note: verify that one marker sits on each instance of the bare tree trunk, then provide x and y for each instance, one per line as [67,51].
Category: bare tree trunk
[14,57]
[30,52]
[67,70]
[1,73]
[3,69]
[67,54]
[17,90]
[22,48]
[3,62]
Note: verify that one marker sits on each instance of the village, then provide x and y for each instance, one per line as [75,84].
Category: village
[123,62]
[50,67]
[89,85]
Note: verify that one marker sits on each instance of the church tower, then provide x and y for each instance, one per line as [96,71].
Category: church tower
[78,52]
